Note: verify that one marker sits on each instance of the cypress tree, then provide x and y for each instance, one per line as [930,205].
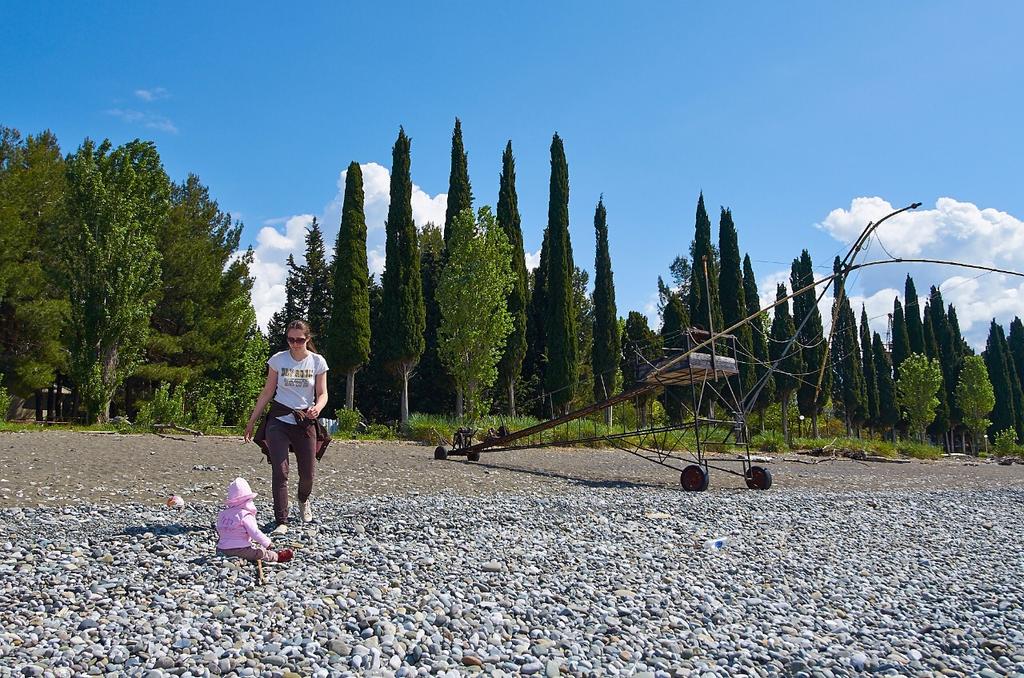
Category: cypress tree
[701,251]
[560,318]
[404,312]
[811,396]
[460,193]
[940,425]
[293,308]
[759,341]
[1004,415]
[1015,343]
[912,314]
[960,346]
[733,297]
[536,358]
[1015,386]
[433,389]
[789,364]
[900,338]
[888,411]
[949,355]
[317,282]
[870,378]
[639,344]
[347,344]
[605,351]
[673,335]
[511,365]
[584,305]
[849,390]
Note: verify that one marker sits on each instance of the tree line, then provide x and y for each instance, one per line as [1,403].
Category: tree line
[114,279]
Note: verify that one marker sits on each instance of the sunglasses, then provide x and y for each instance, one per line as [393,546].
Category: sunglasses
[296,340]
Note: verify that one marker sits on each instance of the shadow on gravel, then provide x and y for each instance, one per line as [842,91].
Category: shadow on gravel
[163,529]
[586,482]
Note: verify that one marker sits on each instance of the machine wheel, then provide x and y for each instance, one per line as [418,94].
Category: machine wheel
[473,456]
[758,478]
[440,453]
[694,478]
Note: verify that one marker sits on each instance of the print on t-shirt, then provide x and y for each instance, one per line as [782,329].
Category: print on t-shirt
[295,378]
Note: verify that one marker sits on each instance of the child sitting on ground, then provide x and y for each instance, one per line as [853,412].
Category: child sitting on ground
[237,528]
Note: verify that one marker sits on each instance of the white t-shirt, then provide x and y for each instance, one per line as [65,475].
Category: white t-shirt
[296,380]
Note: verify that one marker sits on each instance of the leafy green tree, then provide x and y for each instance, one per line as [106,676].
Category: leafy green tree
[912,314]
[919,382]
[460,193]
[606,346]
[118,199]
[33,307]
[759,341]
[639,345]
[810,396]
[561,344]
[317,281]
[900,337]
[404,313]
[511,365]
[703,257]
[733,298]
[975,395]
[347,341]
[868,363]
[471,295]
[789,362]
[888,412]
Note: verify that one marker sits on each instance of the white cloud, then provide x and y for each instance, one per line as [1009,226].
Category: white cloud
[149,120]
[532,260]
[953,230]
[152,94]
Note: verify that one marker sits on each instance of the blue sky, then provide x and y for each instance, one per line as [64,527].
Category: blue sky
[783,112]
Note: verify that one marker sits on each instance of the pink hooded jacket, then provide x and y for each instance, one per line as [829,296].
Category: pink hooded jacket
[236,525]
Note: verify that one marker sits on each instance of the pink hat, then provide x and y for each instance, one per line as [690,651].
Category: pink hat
[239,492]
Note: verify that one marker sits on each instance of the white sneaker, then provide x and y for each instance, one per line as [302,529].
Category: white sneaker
[281,528]
[306,510]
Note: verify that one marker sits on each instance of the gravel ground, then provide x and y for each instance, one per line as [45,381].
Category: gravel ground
[536,563]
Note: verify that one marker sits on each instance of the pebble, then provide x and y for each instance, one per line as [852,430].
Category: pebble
[587,582]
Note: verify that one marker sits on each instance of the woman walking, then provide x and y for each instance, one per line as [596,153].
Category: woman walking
[297,383]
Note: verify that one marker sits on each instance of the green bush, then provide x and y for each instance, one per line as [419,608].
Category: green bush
[1006,442]
[380,432]
[166,407]
[348,420]
[769,441]
[204,415]
[5,400]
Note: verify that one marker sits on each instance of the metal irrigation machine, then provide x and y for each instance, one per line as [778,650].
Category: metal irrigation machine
[697,377]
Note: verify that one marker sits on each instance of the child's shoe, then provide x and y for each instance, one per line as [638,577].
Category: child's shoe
[284,555]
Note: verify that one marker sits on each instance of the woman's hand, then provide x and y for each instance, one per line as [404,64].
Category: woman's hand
[248,431]
[312,412]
